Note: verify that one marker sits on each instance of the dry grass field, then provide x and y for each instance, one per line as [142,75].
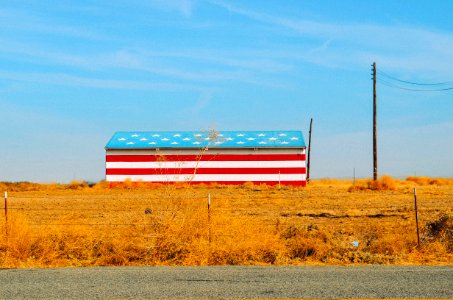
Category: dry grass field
[327,222]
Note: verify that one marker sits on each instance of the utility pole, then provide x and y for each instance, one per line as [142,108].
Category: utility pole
[309,150]
[375,166]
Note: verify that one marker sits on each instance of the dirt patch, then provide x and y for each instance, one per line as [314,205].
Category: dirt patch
[332,216]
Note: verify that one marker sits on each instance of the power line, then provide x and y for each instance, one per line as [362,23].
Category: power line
[415,83]
[392,85]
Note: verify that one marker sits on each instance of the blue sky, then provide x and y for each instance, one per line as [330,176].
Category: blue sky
[74,72]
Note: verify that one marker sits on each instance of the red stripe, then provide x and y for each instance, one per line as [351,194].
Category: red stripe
[205,157]
[183,171]
[293,183]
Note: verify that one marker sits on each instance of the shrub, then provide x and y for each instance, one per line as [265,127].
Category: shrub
[386,183]
[77,185]
[440,230]
[423,180]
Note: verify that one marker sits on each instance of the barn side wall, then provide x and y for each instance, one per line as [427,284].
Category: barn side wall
[225,166]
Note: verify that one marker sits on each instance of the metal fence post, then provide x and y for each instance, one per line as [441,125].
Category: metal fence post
[209,217]
[416,217]
[6,213]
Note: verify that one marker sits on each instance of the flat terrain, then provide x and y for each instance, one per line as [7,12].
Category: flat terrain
[324,223]
[227,282]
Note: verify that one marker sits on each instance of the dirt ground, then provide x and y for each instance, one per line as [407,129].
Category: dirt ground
[326,222]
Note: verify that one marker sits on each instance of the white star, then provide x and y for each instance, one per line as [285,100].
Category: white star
[282,134]
[262,143]
[240,143]
[164,139]
[156,135]
[177,135]
[121,139]
[134,135]
[197,135]
[240,134]
[143,139]
[229,139]
[186,139]
[294,139]
[272,139]
[196,143]
[174,143]
[261,134]
[251,139]
[130,143]
[207,139]
[152,143]
[285,143]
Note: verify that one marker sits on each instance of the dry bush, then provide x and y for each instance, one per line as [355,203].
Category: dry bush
[19,240]
[101,185]
[237,243]
[329,182]
[191,238]
[248,184]
[377,241]
[128,184]
[423,181]
[25,247]
[439,230]
[169,225]
[54,246]
[76,185]
[20,186]
[178,235]
[385,183]
[307,243]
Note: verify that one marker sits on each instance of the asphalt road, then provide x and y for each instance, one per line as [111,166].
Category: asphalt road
[228,282]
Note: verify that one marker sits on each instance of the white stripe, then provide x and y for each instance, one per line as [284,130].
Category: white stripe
[210,151]
[208,177]
[206,164]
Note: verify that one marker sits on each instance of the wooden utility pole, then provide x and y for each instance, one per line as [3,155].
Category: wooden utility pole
[309,150]
[375,166]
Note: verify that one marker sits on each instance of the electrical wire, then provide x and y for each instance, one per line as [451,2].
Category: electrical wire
[394,82]
[392,85]
[413,83]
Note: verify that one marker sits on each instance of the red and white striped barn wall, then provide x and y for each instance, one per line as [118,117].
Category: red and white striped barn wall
[224,166]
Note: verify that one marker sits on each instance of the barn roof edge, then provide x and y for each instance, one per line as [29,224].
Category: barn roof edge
[212,139]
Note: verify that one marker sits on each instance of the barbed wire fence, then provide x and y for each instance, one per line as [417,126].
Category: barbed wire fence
[142,217]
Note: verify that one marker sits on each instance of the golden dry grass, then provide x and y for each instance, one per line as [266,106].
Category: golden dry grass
[148,224]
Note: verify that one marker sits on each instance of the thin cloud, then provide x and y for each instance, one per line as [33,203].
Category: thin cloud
[34,24]
[415,48]
[184,7]
[254,61]
[304,27]
[77,81]
[252,71]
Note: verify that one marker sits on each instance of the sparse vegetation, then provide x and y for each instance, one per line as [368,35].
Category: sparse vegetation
[138,223]
[385,183]
[423,181]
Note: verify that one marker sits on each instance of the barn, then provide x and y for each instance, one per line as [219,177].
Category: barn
[225,157]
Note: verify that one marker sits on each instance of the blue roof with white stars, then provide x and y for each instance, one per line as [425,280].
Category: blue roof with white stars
[210,139]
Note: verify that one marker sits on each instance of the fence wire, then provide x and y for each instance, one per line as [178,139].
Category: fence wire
[59,210]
